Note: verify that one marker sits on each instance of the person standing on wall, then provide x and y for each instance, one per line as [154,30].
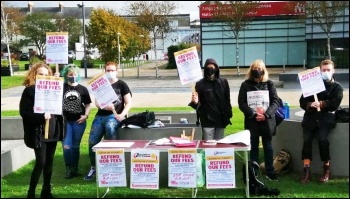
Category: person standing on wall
[259,110]
[34,128]
[320,122]
[76,110]
[212,101]
[105,123]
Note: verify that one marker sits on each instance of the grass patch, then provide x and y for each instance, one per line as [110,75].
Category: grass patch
[15,185]
[10,82]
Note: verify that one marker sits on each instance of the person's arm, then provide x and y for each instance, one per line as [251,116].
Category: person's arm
[243,103]
[127,105]
[26,108]
[334,99]
[273,106]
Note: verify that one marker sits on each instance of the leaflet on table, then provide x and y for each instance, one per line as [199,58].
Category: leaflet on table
[144,171]
[182,142]
[220,168]
[113,144]
[237,138]
[182,168]
[111,168]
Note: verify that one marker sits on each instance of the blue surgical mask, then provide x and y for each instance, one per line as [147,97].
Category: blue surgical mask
[111,75]
[72,79]
[326,76]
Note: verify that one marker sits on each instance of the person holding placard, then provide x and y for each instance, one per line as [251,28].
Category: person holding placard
[107,120]
[34,127]
[320,121]
[76,109]
[212,101]
[258,100]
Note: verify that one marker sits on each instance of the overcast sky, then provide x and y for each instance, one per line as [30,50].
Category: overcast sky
[185,7]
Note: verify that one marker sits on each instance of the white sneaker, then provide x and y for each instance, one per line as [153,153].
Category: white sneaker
[90,175]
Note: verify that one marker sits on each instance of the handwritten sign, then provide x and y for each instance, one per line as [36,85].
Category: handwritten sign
[111,168]
[182,168]
[258,100]
[48,95]
[102,90]
[144,171]
[220,168]
[57,47]
[188,66]
[311,82]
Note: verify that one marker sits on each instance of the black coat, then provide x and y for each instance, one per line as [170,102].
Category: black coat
[267,127]
[325,118]
[34,123]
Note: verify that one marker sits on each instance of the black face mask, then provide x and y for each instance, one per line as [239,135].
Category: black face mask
[210,71]
[256,73]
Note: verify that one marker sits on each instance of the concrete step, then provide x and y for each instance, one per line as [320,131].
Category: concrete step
[14,155]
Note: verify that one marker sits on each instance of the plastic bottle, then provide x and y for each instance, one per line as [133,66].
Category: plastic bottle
[286,110]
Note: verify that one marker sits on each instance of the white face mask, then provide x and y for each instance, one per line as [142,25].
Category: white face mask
[326,76]
[111,75]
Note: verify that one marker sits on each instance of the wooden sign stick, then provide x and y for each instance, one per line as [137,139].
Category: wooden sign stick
[316,100]
[47,129]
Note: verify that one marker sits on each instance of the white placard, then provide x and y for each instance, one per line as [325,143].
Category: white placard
[111,168]
[103,91]
[110,144]
[236,138]
[48,95]
[144,171]
[311,82]
[57,47]
[258,100]
[220,168]
[188,66]
[182,168]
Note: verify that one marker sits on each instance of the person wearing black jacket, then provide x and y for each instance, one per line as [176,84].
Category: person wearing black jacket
[320,122]
[34,128]
[258,100]
[212,101]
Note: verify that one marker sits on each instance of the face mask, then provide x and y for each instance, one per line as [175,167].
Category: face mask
[256,73]
[111,75]
[210,71]
[72,79]
[326,76]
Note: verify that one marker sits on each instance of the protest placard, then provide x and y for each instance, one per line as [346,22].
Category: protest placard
[144,171]
[188,66]
[111,168]
[57,47]
[103,91]
[182,168]
[220,168]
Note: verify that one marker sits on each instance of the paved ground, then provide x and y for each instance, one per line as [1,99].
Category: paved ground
[166,89]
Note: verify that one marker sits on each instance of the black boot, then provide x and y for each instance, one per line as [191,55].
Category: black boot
[326,174]
[46,192]
[69,173]
[31,194]
[75,171]
[306,175]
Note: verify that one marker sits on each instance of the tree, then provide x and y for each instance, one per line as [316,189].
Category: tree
[72,25]
[236,15]
[322,14]
[34,28]
[153,16]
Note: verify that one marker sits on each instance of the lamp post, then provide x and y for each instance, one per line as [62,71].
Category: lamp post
[84,35]
[4,24]
[138,60]
[119,55]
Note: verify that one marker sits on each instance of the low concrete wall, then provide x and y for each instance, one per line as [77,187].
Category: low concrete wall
[176,117]
[11,128]
[290,136]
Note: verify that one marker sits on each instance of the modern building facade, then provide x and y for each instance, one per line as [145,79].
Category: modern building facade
[275,36]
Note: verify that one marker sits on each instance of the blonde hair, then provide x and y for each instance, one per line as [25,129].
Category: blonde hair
[326,62]
[31,75]
[264,77]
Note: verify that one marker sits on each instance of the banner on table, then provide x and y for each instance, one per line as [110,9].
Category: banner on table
[220,168]
[144,171]
[111,168]
[103,91]
[188,66]
[57,47]
[182,168]
[311,82]
[48,95]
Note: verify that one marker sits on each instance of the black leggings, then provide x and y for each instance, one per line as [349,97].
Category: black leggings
[43,164]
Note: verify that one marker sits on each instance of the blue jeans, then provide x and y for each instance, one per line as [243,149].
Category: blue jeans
[71,142]
[102,126]
[268,152]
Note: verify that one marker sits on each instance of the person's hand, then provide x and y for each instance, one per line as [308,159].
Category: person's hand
[119,117]
[56,74]
[260,117]
[315,104]
[47,116]
[194,97]
[109,107]
[82,119]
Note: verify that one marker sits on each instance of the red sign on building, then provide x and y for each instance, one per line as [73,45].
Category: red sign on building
[263,9]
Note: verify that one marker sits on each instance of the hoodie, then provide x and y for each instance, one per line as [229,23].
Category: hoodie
[211,61]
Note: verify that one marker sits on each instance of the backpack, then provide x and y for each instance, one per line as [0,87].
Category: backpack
[257,187]
[282,162]
[342,115]
[143,119]
[280,113]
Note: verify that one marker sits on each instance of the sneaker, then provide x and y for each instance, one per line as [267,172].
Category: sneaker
[90,175]
[272,177]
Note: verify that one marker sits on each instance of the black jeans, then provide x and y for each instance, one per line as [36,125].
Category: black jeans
[43,164]
[268,152]
[323,143]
